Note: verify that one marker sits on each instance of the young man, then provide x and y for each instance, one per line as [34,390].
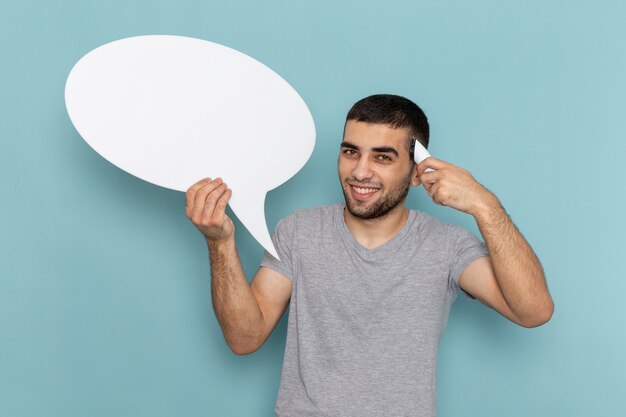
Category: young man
[370,282]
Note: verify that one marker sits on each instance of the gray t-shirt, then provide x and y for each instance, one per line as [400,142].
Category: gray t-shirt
[364,324]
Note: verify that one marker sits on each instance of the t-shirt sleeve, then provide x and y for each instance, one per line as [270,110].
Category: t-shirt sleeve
[283,240]
[465,249]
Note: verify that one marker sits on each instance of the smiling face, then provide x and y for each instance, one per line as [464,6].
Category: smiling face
[375,169]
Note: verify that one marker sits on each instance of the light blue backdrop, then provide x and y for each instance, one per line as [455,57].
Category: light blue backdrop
[104,284]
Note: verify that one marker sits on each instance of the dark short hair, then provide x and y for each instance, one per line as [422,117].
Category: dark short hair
[395,111]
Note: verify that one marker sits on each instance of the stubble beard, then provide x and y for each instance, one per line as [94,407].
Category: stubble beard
[380,207]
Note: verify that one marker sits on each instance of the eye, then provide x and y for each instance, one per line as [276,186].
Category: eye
[350,152]
[384,158]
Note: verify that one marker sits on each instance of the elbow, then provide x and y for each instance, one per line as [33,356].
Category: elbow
[244,341]
[242,348]
[540,317]
[241,352]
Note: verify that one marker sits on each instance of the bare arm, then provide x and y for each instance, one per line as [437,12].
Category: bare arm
[247,313]
[513,265]
[511,279]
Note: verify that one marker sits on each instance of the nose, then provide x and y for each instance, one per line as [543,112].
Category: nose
[362,170]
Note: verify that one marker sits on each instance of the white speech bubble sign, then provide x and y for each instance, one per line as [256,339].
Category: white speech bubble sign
[172,110]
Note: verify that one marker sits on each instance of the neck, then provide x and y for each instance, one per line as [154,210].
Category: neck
[371,233]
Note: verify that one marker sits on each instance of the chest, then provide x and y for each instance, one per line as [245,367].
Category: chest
[338,285]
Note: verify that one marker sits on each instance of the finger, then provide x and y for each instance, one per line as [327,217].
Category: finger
[432,188]
[220,205]
[429,178]
[191,194]
[432,163]
[201,196]
[209,211]
[438,194]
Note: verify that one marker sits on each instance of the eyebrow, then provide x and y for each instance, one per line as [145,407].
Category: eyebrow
[385,149]
[379,149]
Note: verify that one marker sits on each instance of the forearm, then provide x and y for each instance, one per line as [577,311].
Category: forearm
[235,306]
[517,269]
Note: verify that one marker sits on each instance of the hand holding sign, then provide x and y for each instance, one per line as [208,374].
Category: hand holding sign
[172,110]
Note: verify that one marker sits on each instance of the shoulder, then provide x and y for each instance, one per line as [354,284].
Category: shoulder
[313,214]
[305,230]
[429,225]
[438,230]
[308,218]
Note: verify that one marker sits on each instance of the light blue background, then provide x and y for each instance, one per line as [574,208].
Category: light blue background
[104,284]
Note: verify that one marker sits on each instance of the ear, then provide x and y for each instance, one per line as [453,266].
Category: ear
[415,180]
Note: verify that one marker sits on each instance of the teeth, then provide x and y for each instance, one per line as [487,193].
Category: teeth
[365,190]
